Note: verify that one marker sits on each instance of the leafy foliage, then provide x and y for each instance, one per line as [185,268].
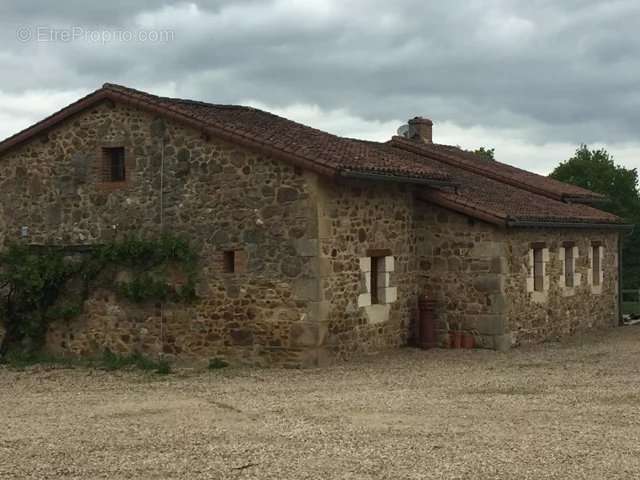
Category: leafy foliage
[113,361]
[596,170]
[217,363]
[108,361]
[44,284]
[486,153]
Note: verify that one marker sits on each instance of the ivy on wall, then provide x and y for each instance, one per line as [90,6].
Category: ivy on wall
[39,285]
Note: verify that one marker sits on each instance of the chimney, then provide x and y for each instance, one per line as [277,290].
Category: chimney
[421,129]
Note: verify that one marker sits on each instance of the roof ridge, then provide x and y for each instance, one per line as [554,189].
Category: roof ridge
[187,101]
[311,148]
[478,168]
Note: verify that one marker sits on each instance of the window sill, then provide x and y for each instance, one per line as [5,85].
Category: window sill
[540,296]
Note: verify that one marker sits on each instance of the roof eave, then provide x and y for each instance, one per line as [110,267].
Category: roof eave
[471,211]
[414,147]
[514,223]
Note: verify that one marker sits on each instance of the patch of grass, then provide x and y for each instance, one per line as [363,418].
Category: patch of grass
[109,361]
[163,367]
[217,363]
[113,361]
[20,359]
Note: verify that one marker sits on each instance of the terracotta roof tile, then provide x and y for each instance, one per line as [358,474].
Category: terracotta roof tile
[455,156]
[507,202]
[490,190]
[315,145]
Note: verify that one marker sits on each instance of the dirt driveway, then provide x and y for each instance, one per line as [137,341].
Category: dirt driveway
[551,411]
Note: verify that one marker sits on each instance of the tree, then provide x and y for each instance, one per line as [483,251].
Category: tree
[486,153]
[596,170]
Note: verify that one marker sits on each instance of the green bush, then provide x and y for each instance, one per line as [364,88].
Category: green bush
[217,363]
[39,285]
[163,367]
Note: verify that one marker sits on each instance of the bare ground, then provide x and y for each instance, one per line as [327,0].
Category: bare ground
[550,411]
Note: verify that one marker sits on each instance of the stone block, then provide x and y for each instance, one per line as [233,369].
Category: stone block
[387,295]
[242,337]
[503,343]
[314,358]
[454,264]
[498,265]
[530,284]
[303,334]
[489,283]
[364,300]
[306,289]
[365,264]
[317,311]
[307,247]
[497,303]
[377,313]
[490,324]
[389,264]
[488,249]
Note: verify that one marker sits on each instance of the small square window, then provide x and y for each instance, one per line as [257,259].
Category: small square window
[113,164]
[229,261]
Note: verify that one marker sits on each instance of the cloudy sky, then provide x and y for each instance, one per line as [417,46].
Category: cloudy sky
[533,79]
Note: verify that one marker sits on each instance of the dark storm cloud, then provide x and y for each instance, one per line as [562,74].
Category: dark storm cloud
[563,71]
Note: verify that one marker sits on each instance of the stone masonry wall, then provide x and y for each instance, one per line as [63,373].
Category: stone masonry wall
[461,265]
[478,275]
[307,250]
[358,220]
[559,311]
[220,196]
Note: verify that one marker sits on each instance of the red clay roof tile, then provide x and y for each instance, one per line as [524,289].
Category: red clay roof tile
[490,190]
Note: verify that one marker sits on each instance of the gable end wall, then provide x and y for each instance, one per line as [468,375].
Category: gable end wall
[219,196]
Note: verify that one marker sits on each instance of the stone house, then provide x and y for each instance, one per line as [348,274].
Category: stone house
[312,247]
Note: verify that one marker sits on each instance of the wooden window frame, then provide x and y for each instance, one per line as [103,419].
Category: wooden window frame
[229,261]
[114,164]
[375,268]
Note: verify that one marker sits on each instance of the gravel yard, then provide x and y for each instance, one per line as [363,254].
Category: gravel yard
[551,411]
